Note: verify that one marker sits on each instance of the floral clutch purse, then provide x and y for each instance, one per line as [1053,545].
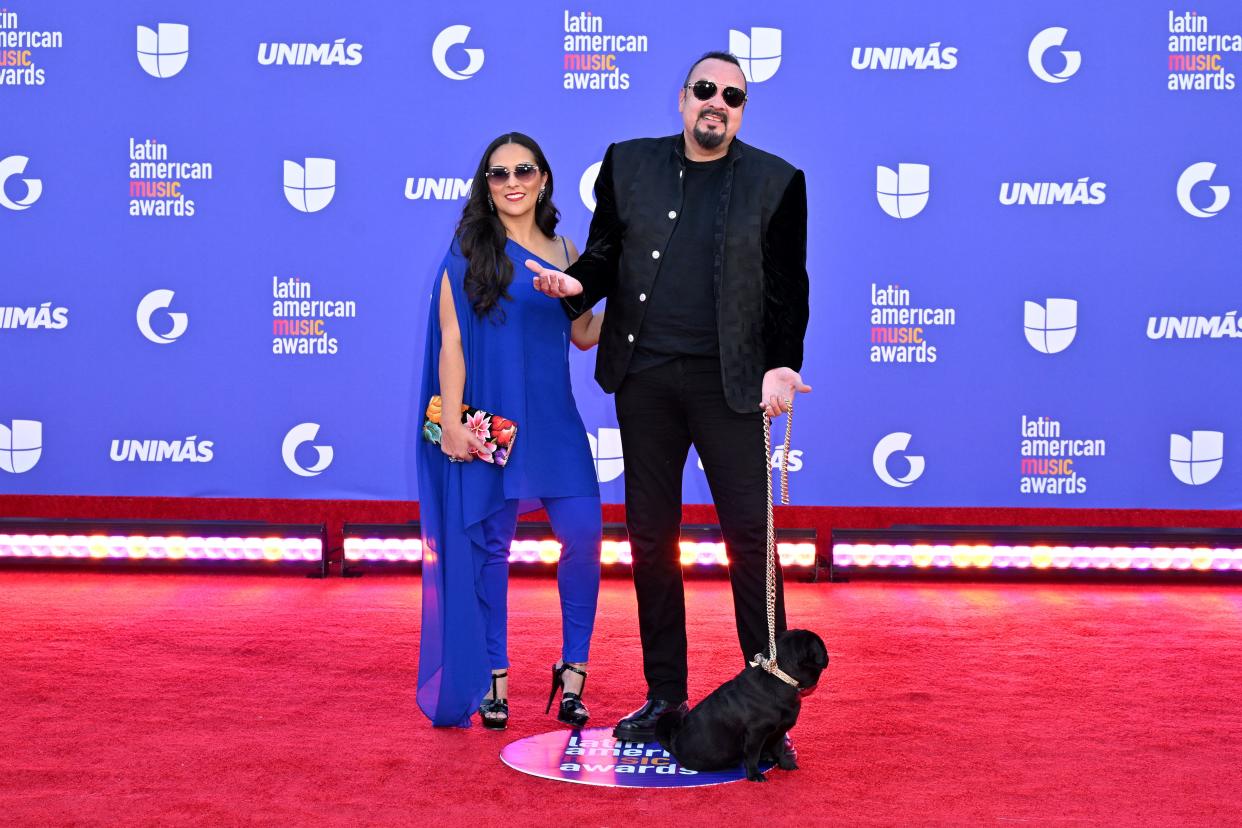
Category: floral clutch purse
[497,433]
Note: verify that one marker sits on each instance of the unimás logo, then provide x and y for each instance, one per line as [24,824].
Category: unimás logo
[889,445]
[334,53]
[298,436]
[21,445]
[795,460]
[445,40]
[1041,44]
[189,450]
[1052,326]
[1084,191]
[932,56]
[1197,460]
[759,53]
[903,192]
[1200,173]
[163,53]
[33,318]
[586,185]
[1220,326]
[437,189]
[606,451]
[158,300]
[10,167]
[310,187]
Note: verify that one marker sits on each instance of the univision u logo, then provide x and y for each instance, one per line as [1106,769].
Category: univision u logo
[310,187]
[163,52]
[903,192]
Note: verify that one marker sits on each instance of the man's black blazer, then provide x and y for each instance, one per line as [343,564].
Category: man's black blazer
[760,262]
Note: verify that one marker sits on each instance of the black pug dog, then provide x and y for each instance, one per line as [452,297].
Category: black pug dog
[746,718]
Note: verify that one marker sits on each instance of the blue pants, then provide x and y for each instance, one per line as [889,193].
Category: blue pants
[578,525]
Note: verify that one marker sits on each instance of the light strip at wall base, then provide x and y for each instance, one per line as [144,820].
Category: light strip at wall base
[547,551]
[1035,557]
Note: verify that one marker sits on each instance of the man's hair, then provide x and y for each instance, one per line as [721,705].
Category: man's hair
[727,57]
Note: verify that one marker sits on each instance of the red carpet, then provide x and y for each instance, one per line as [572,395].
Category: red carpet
[228,700]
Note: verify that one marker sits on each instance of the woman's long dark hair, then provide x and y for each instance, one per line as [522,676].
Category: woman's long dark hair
[482,236]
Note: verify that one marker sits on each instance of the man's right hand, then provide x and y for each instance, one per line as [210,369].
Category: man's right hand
[458,442]
[553,283]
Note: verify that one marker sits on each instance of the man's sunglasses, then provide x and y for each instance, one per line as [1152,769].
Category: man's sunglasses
[705,90]
[524,173]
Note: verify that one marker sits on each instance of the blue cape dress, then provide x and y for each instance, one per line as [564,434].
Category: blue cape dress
[517,366]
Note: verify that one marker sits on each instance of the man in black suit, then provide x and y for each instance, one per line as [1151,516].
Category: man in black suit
[698,242]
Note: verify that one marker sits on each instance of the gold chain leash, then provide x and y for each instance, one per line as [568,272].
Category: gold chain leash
[771,563]
[785,456]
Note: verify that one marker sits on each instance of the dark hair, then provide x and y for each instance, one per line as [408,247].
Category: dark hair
[482,235]
[727,57]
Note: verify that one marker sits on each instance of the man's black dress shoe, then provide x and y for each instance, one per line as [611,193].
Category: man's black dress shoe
[640,725]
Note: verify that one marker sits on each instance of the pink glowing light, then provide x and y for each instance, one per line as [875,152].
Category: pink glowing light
[984,556]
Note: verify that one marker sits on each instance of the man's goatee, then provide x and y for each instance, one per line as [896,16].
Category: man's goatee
[708,140]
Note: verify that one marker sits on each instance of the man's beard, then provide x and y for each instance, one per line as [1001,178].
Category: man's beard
[709,140]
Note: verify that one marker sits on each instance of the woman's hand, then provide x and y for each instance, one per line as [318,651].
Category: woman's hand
[458,442]
[585,330]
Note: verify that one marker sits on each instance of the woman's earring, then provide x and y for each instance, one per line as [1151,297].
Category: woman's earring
[541,189]
[491,205]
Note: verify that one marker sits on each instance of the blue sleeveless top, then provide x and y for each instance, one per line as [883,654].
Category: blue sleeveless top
[517,366]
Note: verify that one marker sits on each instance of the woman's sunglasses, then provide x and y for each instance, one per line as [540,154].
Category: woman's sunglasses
[705,90]
[524,173]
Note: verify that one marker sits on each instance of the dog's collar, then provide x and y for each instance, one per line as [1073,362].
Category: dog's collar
[768,665]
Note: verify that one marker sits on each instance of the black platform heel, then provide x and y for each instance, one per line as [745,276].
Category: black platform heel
[572,711]
[495,712]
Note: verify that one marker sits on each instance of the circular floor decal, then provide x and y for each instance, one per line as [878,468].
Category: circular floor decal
[593,757]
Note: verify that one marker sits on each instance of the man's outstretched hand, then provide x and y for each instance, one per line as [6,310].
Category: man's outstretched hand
[779,387]
[553,283]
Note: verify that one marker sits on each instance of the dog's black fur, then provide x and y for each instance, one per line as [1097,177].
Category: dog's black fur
[747,717]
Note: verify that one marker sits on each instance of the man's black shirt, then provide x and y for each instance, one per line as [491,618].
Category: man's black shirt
[681,317]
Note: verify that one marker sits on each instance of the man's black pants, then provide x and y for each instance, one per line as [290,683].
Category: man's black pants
[662,411]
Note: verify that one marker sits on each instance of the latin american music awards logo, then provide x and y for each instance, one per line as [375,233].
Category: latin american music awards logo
[593,757]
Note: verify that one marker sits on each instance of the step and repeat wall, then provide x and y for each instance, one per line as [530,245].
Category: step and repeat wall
[219,226]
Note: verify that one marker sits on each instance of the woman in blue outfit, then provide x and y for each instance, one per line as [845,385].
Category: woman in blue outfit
[496,344]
